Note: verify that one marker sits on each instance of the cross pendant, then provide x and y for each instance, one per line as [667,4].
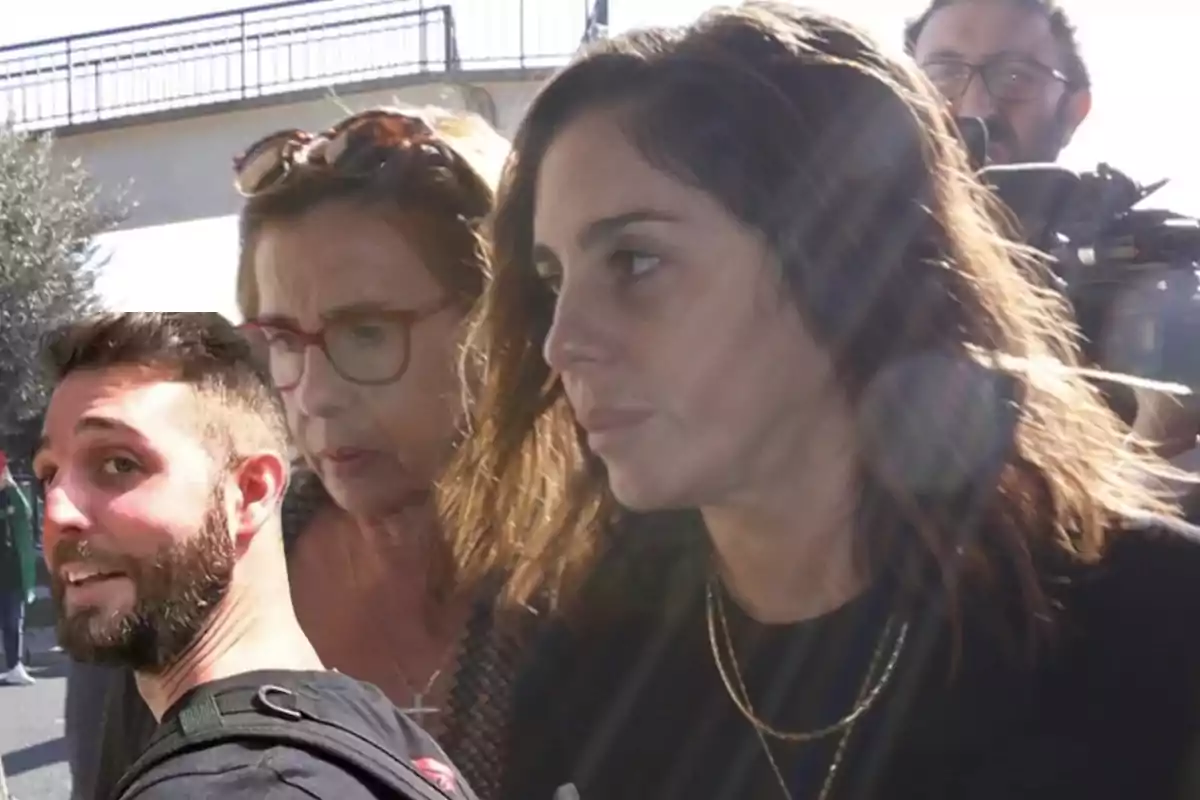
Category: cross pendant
[419,709]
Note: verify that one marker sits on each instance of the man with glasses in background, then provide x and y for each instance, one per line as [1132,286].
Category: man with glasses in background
[1015,64]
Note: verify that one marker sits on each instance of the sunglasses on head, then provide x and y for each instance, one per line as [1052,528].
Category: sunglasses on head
[356,146]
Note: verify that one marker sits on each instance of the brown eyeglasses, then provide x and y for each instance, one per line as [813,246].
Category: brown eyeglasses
[367,347]
[357,146]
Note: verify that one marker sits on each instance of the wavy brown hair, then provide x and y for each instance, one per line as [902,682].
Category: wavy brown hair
[843,158]
[439,207]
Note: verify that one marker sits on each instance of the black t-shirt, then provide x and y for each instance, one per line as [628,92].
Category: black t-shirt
[107,727]
[1109,710]
[107,723]
[285,772]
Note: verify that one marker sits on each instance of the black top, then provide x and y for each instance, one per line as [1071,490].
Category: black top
[107,723]
[637,708]
[276,771]
[107,726]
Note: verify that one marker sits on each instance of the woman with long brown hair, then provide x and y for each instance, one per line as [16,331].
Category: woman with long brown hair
[771,410]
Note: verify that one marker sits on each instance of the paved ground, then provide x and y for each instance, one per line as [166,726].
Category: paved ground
[31,727]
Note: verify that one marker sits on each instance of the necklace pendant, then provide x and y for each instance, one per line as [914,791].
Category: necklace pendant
[418,708]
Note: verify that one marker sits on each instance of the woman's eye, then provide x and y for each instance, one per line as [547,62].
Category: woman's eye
[549,274]
[118,465]
[633,263]
[368,334]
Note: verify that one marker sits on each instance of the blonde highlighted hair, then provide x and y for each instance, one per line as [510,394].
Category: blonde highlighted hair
[441,210]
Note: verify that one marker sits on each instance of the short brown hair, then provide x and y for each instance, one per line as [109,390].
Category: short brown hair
[1075,68]
[240,411]
[441,215]
[844,159]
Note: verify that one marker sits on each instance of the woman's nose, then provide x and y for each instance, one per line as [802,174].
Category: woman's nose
[576,332]
[321,392]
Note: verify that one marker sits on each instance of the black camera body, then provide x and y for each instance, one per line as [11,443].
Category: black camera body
[1130,273]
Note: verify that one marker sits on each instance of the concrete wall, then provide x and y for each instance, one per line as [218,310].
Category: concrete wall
[177,167]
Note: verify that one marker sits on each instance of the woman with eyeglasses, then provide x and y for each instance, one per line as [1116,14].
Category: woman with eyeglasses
[780,419]
[361,252]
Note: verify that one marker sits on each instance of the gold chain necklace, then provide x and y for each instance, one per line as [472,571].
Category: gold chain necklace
[869,692]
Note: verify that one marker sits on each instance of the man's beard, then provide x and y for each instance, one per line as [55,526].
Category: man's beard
[1043,147]
[175,593]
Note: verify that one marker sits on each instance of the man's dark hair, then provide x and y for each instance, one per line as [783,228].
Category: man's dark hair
[239,410]
[1061,28]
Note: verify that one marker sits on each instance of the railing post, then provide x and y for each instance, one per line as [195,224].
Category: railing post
[521,35]
[242,37]
[258,67]
[423,40]
[451,39]
[70,85]
[597,21]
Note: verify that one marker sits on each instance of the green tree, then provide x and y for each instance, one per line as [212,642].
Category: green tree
[50,216]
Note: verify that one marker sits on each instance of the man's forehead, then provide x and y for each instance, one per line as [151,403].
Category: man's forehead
[139,399]
[980,29]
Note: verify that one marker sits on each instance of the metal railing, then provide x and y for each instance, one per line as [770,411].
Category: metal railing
[596,26]
[274,49]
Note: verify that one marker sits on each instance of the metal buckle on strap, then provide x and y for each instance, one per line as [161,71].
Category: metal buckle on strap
[263,699]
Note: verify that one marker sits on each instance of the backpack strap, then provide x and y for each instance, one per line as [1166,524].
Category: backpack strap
[275,714]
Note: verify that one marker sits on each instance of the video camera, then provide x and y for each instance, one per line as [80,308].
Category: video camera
[1130,274]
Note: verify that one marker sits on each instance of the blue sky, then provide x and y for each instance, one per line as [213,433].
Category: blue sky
[1144,60]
